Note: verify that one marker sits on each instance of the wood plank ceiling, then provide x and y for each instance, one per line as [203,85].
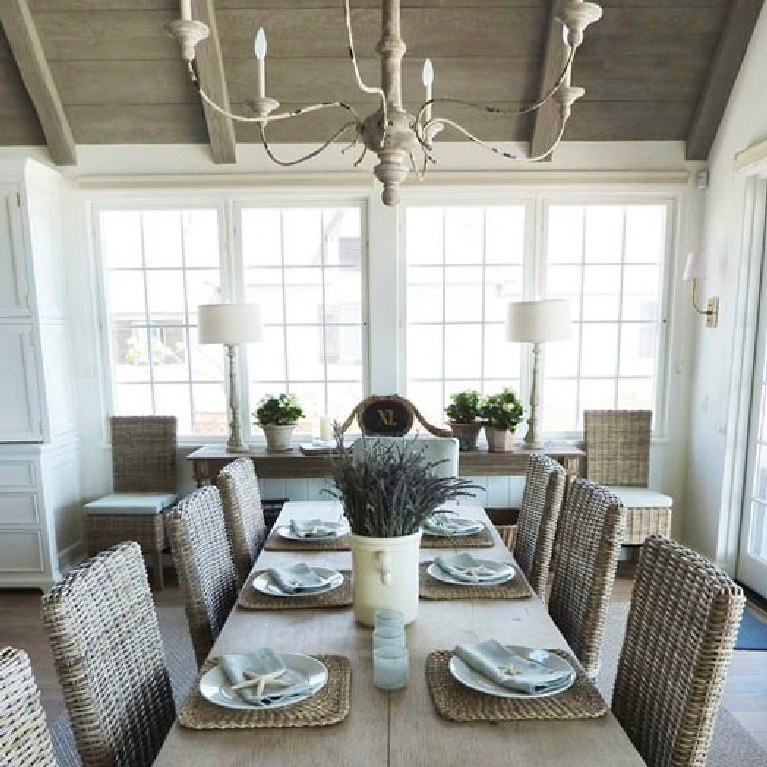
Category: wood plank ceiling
[76,72]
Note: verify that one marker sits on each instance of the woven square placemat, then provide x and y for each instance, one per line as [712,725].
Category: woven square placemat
[431,588]
[481,540]
[277,542]
[329,706]
[459,703]
[250,599]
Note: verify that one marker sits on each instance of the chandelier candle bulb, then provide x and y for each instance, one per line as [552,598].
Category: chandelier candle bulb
[428,82]
[260,49]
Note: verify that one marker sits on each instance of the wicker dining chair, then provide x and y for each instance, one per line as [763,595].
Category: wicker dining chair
[24,737]
[537,521]
[204,564]
[144,481]
[588,542]
[243,514]
[681,628]
[617,444]
[102,628]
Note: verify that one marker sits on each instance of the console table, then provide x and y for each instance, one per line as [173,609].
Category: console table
[208,460]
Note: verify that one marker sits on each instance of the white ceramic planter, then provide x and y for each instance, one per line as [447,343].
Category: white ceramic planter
[385,575]
[278,437]
[499,440]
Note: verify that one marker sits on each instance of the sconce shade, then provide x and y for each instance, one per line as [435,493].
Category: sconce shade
[695,267]
[538,321]
[230,323]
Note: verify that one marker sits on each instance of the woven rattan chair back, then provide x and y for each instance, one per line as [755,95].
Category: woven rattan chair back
[24,738]
[589,536]
[204,564]
[243,514]
[680,632]
[102,628]
[537,521]
[143,453]
[618,446]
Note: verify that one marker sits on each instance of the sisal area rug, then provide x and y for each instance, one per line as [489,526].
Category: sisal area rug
[732,745]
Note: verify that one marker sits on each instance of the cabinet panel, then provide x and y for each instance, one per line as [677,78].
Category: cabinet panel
[14,291]
[17,474]
[20,551]
[19,393]
[18,509]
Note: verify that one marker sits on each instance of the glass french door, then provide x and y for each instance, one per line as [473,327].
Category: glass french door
[752,554]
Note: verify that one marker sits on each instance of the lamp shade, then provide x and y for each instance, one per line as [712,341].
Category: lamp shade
[695,267]
[230,323]
[537,321]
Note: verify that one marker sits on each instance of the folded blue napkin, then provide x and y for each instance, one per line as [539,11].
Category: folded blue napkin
[279,681]
[465,567]
[508,669]
[449,524]
[314,528]
[297,579]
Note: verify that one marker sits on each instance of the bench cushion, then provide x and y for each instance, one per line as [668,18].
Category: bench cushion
[131,503]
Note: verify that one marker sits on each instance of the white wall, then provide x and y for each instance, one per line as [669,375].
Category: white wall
[145,172]
[711,524]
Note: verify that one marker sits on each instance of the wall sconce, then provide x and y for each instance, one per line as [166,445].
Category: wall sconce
[694,271]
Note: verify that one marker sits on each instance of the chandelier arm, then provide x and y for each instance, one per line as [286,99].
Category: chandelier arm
[353,56]
[554,88]
[310,155]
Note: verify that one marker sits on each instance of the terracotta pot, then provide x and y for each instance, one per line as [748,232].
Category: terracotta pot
[278,437]
[499,440]
[467,434]
[385,575]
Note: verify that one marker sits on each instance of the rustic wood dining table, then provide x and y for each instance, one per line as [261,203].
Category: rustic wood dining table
[399,728]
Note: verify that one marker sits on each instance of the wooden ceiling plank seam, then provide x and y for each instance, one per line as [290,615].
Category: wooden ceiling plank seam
[721,77]
[27,50]
[546,119]
[210,70]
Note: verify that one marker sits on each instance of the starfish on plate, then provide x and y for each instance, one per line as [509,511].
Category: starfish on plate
[259,681]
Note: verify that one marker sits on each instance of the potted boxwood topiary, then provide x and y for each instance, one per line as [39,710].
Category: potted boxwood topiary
[463,413]
[501,413]
[277,417]
[387,490]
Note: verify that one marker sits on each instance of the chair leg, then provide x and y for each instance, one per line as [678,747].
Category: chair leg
[157,575]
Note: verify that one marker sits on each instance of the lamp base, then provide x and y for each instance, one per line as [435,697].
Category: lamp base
[241,448]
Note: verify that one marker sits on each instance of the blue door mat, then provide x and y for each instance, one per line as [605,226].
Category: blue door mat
[752,634]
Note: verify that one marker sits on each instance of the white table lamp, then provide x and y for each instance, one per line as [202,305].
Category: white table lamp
[536,322]
[230,325]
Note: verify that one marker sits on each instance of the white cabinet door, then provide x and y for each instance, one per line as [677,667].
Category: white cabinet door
[20,412]
[14,291]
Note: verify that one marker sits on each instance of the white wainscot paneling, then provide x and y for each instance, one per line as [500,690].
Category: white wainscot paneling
[272,489]
[18,508]
[20,552]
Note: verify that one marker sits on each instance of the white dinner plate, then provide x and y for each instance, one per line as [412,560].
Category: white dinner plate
[286,532]
[466,675]
[214,685]
[437,572]
[266,585]
[478,528]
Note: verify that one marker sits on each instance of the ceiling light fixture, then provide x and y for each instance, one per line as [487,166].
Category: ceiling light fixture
[391,133]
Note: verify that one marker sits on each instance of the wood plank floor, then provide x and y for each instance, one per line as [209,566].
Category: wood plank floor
[745,693]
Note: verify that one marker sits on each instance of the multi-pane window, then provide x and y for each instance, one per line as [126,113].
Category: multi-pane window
[608,261]
[464,264]
[159,266]
[305,267]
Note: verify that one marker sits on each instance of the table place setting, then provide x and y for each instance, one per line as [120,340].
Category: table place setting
[269,689]
[464,576]
[310,535]
[445,528]
[296,586]
[491,681]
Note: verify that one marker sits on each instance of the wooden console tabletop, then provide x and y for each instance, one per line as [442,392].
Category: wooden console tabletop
[208,460]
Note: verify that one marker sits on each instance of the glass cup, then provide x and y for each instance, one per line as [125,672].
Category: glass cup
[386,617]
[390,667]
[388,636]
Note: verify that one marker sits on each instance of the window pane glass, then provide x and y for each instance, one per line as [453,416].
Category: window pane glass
[464,235]
[424,351]
[604,233]
[264,286]
[598,393]
[463,294]
[302,236]
[425,293]
[210,413]
[262,237]
[502,360]
[560,358]
[558,408]
[121,238]
[165,294]
[502,285]
[427,397]
[504,235]
[565,234]
[636,393]
[599,350]
[200,228]
[130,352]
[638,349]
[463,350]
[424,235]
[162,238]
[645,233]
[133,399]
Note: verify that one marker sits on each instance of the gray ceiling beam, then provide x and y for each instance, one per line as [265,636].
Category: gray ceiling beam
[721,77]
[210,69]
[546,120]
[27,50]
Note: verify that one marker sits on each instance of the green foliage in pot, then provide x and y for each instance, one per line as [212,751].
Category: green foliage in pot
[501,411]
[464,406]
[388,489]
[280,411]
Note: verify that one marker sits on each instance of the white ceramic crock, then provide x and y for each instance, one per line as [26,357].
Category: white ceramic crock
[385,575]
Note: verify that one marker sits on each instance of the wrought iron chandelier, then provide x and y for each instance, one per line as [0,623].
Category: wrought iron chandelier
[396,137]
